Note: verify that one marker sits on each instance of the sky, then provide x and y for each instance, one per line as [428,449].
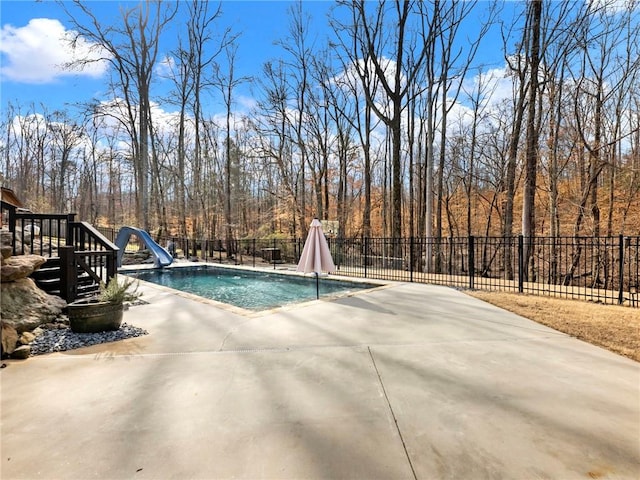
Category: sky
[31,48]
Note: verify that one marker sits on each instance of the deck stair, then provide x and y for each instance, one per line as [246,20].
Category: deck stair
[49,278]
[78,257]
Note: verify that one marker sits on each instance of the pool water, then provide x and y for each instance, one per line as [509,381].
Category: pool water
[246,289]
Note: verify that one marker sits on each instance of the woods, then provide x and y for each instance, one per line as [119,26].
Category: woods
[390,124]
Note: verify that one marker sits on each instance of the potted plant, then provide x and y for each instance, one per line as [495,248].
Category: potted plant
[103,312]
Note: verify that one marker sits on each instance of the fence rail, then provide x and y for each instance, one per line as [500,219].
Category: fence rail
[599,269]
[603,269]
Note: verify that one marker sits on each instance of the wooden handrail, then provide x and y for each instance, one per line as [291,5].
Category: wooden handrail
[80,246]
[88,251]
[88,229]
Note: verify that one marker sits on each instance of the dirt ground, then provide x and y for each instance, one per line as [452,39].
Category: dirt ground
[613,327]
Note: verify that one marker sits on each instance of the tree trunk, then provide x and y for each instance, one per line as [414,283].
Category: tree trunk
[531,155]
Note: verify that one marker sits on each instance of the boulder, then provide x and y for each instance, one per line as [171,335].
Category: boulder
[6,238]
[25,307]
[21,352]
[6,243]
[20,266]
[26,338]
[9,338]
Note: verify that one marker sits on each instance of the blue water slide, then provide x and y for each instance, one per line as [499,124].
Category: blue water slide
[162,257]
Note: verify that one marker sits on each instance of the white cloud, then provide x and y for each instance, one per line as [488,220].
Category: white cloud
[166,67]
[37,53]
[29,125]
[613,7]
[495,85]
[246,103]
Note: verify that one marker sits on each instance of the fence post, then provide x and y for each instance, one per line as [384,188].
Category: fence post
[68,273]
[472,261]
[520,262]
[273,256]
[69,232]
[12,228]
[366,253]
[411,252]
[620,269]
[112,264]
[253,251]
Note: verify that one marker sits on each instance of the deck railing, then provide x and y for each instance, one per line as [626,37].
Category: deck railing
[36,233]
[79,246]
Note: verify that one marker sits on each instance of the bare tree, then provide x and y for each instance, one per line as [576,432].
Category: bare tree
[534,20]
[64,137]
[320,138]
[299,49]
[132,50]
[356,81]
[454,65]
[381,34]
[227,83]
[276,137]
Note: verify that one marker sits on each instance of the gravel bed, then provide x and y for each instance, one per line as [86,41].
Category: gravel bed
[62,338]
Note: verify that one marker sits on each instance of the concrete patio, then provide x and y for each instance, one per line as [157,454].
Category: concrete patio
[405,381]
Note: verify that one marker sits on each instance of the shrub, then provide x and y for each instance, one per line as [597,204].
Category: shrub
[117,292]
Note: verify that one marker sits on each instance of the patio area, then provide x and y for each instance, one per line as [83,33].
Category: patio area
[405,381]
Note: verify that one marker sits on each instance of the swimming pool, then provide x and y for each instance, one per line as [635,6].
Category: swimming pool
[246,289]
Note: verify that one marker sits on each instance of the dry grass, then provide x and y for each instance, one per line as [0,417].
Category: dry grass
[613,327]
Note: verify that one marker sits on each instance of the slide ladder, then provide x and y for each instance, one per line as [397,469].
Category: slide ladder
[162,256]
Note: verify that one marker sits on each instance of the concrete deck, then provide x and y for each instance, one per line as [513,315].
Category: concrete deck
[408,381]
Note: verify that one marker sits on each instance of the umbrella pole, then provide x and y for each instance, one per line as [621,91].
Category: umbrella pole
[317,287]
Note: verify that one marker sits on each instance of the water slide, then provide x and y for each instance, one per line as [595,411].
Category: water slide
[162,257]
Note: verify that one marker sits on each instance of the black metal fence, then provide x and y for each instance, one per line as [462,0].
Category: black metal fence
[602,269]
[599,269]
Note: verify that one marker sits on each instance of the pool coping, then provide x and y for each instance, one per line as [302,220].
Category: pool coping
[378,284]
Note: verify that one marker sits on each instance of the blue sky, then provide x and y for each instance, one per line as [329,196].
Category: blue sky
[29,47]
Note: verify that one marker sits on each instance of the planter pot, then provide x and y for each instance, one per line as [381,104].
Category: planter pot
[91,316]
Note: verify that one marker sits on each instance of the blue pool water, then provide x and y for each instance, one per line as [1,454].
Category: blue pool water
[246,289]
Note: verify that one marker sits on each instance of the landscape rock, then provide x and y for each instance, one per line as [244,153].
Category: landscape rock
[25,307]
[61,339]
[6,237]
[20,266]
[26,338]
[9,338]
[6,248]
[38,331]
[21,352]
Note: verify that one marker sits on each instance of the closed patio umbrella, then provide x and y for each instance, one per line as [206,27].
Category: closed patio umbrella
[316,256]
